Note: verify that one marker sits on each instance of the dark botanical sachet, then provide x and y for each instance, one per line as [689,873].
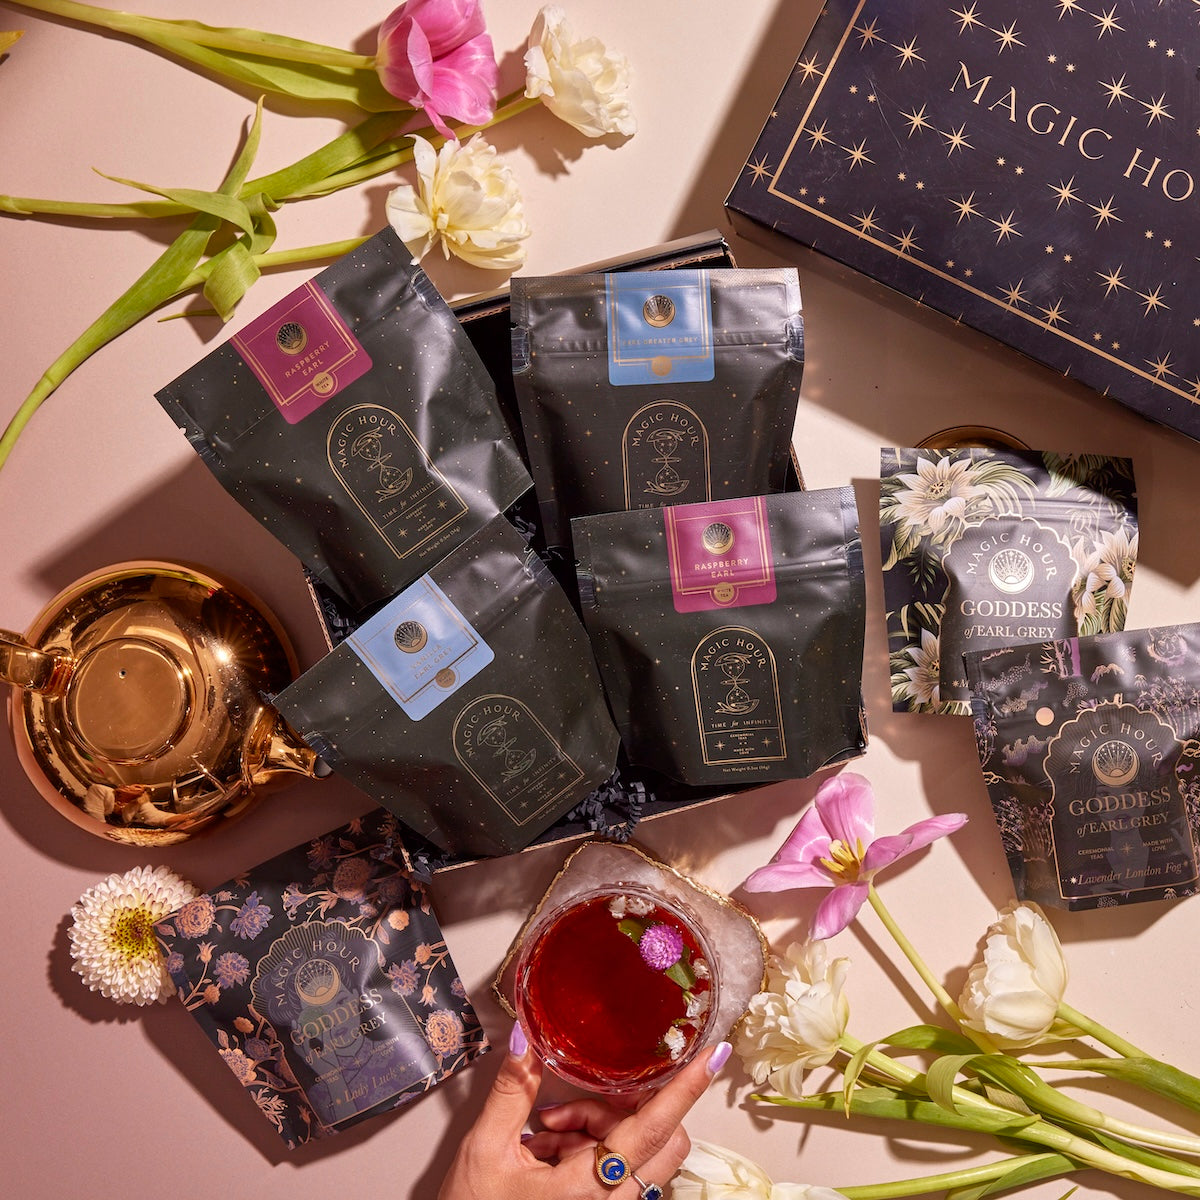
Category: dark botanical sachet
[1090,749]
[355,420]
[469,704]
[730,634]
[323,981]
[987,547]
[647,388]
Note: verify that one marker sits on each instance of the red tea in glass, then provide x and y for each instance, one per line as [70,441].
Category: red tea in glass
[616,989]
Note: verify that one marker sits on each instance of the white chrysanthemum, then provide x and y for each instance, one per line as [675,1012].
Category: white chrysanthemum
[797,1022]
[466,200]
[113,944]
[578,79]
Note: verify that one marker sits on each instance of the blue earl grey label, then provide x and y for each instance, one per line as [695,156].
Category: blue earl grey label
[659,327]
[420,648]
[1010,580]
[322,988]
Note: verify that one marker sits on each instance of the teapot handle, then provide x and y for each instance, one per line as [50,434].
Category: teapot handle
[27,667]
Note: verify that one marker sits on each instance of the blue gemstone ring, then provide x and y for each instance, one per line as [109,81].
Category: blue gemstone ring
[611,1167]
[650,1191]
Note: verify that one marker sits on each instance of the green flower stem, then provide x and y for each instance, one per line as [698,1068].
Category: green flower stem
[1162,1172]
[153,30]
[942,996]
[348,149]
[1023,1169]
[1094,1029]
[398,151]
[301,256]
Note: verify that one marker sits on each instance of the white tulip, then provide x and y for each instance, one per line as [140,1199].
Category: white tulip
[1014,993]
[578,79]
[714,1173]
[466,200]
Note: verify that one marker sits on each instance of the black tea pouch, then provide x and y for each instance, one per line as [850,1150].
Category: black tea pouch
[640,389]
[469,704]
[730,635]
[324,983]
[1090,749]
[356,422]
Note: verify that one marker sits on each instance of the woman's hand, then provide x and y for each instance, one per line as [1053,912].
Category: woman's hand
[559,1163]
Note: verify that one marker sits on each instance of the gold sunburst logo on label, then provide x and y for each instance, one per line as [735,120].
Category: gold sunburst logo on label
[291,337]
[410,636]
[659,311]
[717,538]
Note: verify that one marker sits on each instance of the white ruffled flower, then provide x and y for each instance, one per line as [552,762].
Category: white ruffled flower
[578,79]
[1014,993]
[714,1173]
[466,200]
[798,1021]
[113,944]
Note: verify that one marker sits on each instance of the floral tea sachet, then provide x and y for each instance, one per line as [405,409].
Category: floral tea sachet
[322,979]
[986,547]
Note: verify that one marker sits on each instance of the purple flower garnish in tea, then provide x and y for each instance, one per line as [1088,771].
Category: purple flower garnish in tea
[661,946]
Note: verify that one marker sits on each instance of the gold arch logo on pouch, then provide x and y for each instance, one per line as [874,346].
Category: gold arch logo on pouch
[512,756]
[735,683]
[1118,817]
[659,311]
[666,457]
[291,337]
[410,637]
[375,456]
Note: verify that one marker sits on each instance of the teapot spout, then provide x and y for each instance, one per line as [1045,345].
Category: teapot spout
[24,666]
[272,748]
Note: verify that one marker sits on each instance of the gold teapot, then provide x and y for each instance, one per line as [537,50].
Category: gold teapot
[138,703]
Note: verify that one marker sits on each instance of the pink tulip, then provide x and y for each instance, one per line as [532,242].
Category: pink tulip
[834,846]
[437,55]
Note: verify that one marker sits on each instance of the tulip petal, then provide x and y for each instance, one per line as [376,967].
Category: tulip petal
[847,807]
[886,850]
[838,909]
[781,877]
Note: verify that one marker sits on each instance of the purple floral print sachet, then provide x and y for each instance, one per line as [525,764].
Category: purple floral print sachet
[323,981]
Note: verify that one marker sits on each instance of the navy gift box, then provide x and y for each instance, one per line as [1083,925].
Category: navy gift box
[1028,167]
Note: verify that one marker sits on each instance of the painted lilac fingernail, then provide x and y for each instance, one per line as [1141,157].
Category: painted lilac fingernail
[719,1057]
[517,1042]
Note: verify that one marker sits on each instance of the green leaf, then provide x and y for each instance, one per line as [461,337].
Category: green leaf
[1027,1170]
[894,1104]
[234,271]
[631,928]
[299,81]
[942,1074]
[852,1071]
[931,1037]
[226,208]
[681,974]
[1147,1073]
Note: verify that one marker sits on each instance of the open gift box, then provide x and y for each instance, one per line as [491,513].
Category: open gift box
[634,793]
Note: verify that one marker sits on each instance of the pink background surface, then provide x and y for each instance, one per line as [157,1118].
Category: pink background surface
[119,1102]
